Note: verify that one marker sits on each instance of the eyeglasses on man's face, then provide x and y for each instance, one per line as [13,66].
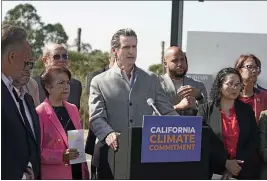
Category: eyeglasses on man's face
[29,61]
[28,65]
[63,56]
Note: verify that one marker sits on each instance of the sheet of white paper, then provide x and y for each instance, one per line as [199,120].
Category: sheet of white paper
[76,141]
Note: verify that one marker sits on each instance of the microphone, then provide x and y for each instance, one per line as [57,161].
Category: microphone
[151,103]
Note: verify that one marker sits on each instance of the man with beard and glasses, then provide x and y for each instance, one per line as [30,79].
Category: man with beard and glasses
[20,122]
[185,93]
[57,55]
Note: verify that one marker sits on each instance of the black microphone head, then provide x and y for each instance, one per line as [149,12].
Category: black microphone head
[150,101]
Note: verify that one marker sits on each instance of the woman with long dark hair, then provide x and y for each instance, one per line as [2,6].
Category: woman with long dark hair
[234,124]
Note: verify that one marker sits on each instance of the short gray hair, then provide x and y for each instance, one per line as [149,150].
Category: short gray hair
[51,46]
[115,41]
[12,35]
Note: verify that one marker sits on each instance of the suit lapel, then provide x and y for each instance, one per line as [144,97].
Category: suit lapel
[169,84]
[216,121]
[73,116]
[136,78]
[34,117]
[117,72]
[170,89]
[54,119]
[11,103]
[136,72]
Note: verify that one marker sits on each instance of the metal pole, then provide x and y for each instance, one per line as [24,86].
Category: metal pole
[162,56]
[177,23]
[79,40]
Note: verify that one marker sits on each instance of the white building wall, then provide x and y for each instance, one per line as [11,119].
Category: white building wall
[208,52]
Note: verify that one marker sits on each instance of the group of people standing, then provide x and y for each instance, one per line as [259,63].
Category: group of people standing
[235,110]
[40,111]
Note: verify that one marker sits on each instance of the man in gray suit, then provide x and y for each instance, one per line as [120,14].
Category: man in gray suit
[118,96]
[56,54]
[184,92]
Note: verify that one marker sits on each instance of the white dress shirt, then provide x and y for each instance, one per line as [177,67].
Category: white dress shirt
[8,82]
[125,76]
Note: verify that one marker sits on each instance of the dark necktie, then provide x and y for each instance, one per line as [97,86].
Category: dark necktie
[23,113]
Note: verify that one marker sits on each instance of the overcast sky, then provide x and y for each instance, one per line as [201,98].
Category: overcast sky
[99,20]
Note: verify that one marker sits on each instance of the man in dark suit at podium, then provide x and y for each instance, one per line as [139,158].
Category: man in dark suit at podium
[118,97]
[20,123]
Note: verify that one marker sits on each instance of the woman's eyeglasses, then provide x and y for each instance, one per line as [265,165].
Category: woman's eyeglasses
[236,86]
[60,56]
[251,68]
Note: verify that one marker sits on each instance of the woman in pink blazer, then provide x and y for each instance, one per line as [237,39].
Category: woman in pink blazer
[56,118]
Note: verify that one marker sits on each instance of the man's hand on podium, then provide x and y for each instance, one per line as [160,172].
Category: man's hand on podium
[233,166]
[226,175]
[112,140]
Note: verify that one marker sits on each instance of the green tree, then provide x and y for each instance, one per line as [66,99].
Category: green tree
[55,33]
[25,15]
[86,47]
[156,68]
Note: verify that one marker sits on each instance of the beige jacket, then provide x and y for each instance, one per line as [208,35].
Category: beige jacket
[33,90]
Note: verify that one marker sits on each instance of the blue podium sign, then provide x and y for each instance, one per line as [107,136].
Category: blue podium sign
[171,139]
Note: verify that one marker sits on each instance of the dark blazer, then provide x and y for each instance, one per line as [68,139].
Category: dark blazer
[261,88]
[248,142]
[75,91]
[263,143]
[18,147]
[91,138]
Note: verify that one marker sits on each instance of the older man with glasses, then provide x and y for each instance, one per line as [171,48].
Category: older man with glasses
[20,123]
[56,54]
